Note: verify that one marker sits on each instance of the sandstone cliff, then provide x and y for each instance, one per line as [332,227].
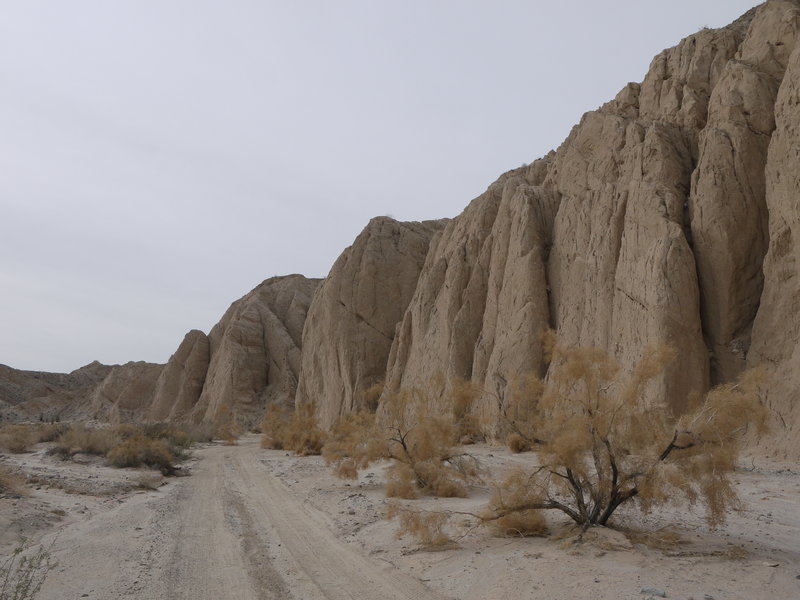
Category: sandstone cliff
[352,318]
[649,224]
[250,358]
[776,330]
[668,214]
[125,392]
[255,351]
[180,383]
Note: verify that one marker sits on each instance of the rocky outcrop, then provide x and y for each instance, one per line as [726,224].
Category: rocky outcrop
[255,351]
[671,215]
[180,383]
[481,299]
[776,331]
[125,393]
[648,225]
[37,395]
[352,318]
[250,358]
[728,205]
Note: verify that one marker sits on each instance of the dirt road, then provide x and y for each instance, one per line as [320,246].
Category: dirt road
[265,524]
[231,530]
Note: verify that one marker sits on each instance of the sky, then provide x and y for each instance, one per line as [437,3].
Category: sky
[160,158]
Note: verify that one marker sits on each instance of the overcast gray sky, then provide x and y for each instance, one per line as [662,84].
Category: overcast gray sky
[160,158]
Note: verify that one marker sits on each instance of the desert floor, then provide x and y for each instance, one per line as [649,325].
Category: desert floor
[261,524]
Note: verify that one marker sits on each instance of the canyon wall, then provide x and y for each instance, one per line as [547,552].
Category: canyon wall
[352,318]
[668,215]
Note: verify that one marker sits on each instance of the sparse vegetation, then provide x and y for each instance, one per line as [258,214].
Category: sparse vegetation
[50,432]
[18,438]
[427,527]
[140,450]
[469,428]
[227,427]
[23,573]
[417,432]
[600,444]
[156,445]
[149,481]
[516,491]
[303,434]
[297,431]
[80,439]
[10,482]
[276,420]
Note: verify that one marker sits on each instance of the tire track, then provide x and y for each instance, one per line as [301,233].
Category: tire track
[337,569]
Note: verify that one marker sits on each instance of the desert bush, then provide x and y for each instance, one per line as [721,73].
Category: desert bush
[601,445]
[127,430]
[23,573]
[355,442]
[200,432]
[296,430]
[303,435]
[178,438]
[276,420]
[371,396]
[427,527]
[516,443]
[149,481]
[515,491]
[227,427]
[10,482]
[139,450]
[79,439]
[414,433]
[469,429]
[49,432]
[156,445]
[18,438]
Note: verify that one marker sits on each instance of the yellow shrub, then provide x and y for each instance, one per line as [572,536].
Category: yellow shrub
[137,451]
[18,438]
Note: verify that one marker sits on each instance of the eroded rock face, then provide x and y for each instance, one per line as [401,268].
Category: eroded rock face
[179,386]
[126,392]
[671,215]
[776,331]
[255,351]
[352,318]
[648,225]
[250,358]
[728,205]
[33,395]
[481,300]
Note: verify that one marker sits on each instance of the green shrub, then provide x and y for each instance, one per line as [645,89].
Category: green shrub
[23,573]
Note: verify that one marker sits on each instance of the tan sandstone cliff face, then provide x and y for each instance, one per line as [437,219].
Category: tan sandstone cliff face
[125,392]
[648,225]
[776,331]
[352,318]
[481,300]
[669,215]
[179,386]
[255,351]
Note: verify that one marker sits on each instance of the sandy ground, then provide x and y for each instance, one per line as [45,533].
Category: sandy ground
[260,524]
